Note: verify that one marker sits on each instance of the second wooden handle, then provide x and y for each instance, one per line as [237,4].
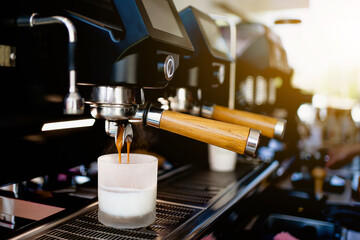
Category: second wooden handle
[319,174]
[225,135]
[267,125]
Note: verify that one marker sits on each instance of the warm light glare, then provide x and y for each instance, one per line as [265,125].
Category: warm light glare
[324,49]
[319,101]
[307,113]
[355,113]
[68,124]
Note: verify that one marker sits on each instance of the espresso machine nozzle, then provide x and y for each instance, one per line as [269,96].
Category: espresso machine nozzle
[112,129]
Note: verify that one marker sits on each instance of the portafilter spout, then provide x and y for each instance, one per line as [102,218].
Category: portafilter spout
[112,129]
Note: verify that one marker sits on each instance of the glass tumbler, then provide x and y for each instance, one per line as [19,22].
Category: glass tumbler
[127,192]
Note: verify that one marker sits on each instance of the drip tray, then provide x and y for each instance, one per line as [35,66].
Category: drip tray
[200,188]
[168,218]
[185,201]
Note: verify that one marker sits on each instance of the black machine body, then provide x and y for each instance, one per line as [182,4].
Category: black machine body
[208,67]
[134,51]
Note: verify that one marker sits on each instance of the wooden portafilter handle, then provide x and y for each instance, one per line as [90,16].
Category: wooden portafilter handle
[243,140]
[319,174]
[269,126]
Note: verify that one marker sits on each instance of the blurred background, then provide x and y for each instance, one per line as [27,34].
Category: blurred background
[321,43]
[296,63]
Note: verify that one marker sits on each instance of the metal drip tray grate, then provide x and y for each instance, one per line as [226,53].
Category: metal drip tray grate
[200,187]
[87,226]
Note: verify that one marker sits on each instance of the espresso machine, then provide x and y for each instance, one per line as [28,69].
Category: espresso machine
[117,97]
[261,67]
[264,83]
[118,51]
[203,79]
[295,205]
[109,66]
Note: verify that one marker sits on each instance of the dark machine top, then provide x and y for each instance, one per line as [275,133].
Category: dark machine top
[208,66]
[122,42]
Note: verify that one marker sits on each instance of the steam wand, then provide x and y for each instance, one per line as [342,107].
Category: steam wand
[74,103]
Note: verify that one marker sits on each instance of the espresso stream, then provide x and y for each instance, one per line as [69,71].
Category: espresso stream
[120,143]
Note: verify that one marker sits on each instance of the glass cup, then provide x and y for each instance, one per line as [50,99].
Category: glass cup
[221,160]
[127,192]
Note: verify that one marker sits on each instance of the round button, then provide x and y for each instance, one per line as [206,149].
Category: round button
[169,67]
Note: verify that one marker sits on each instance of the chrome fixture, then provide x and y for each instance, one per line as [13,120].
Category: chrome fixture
[74,103]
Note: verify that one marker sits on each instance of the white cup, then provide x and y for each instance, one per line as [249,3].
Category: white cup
[221,160]
[127,192]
